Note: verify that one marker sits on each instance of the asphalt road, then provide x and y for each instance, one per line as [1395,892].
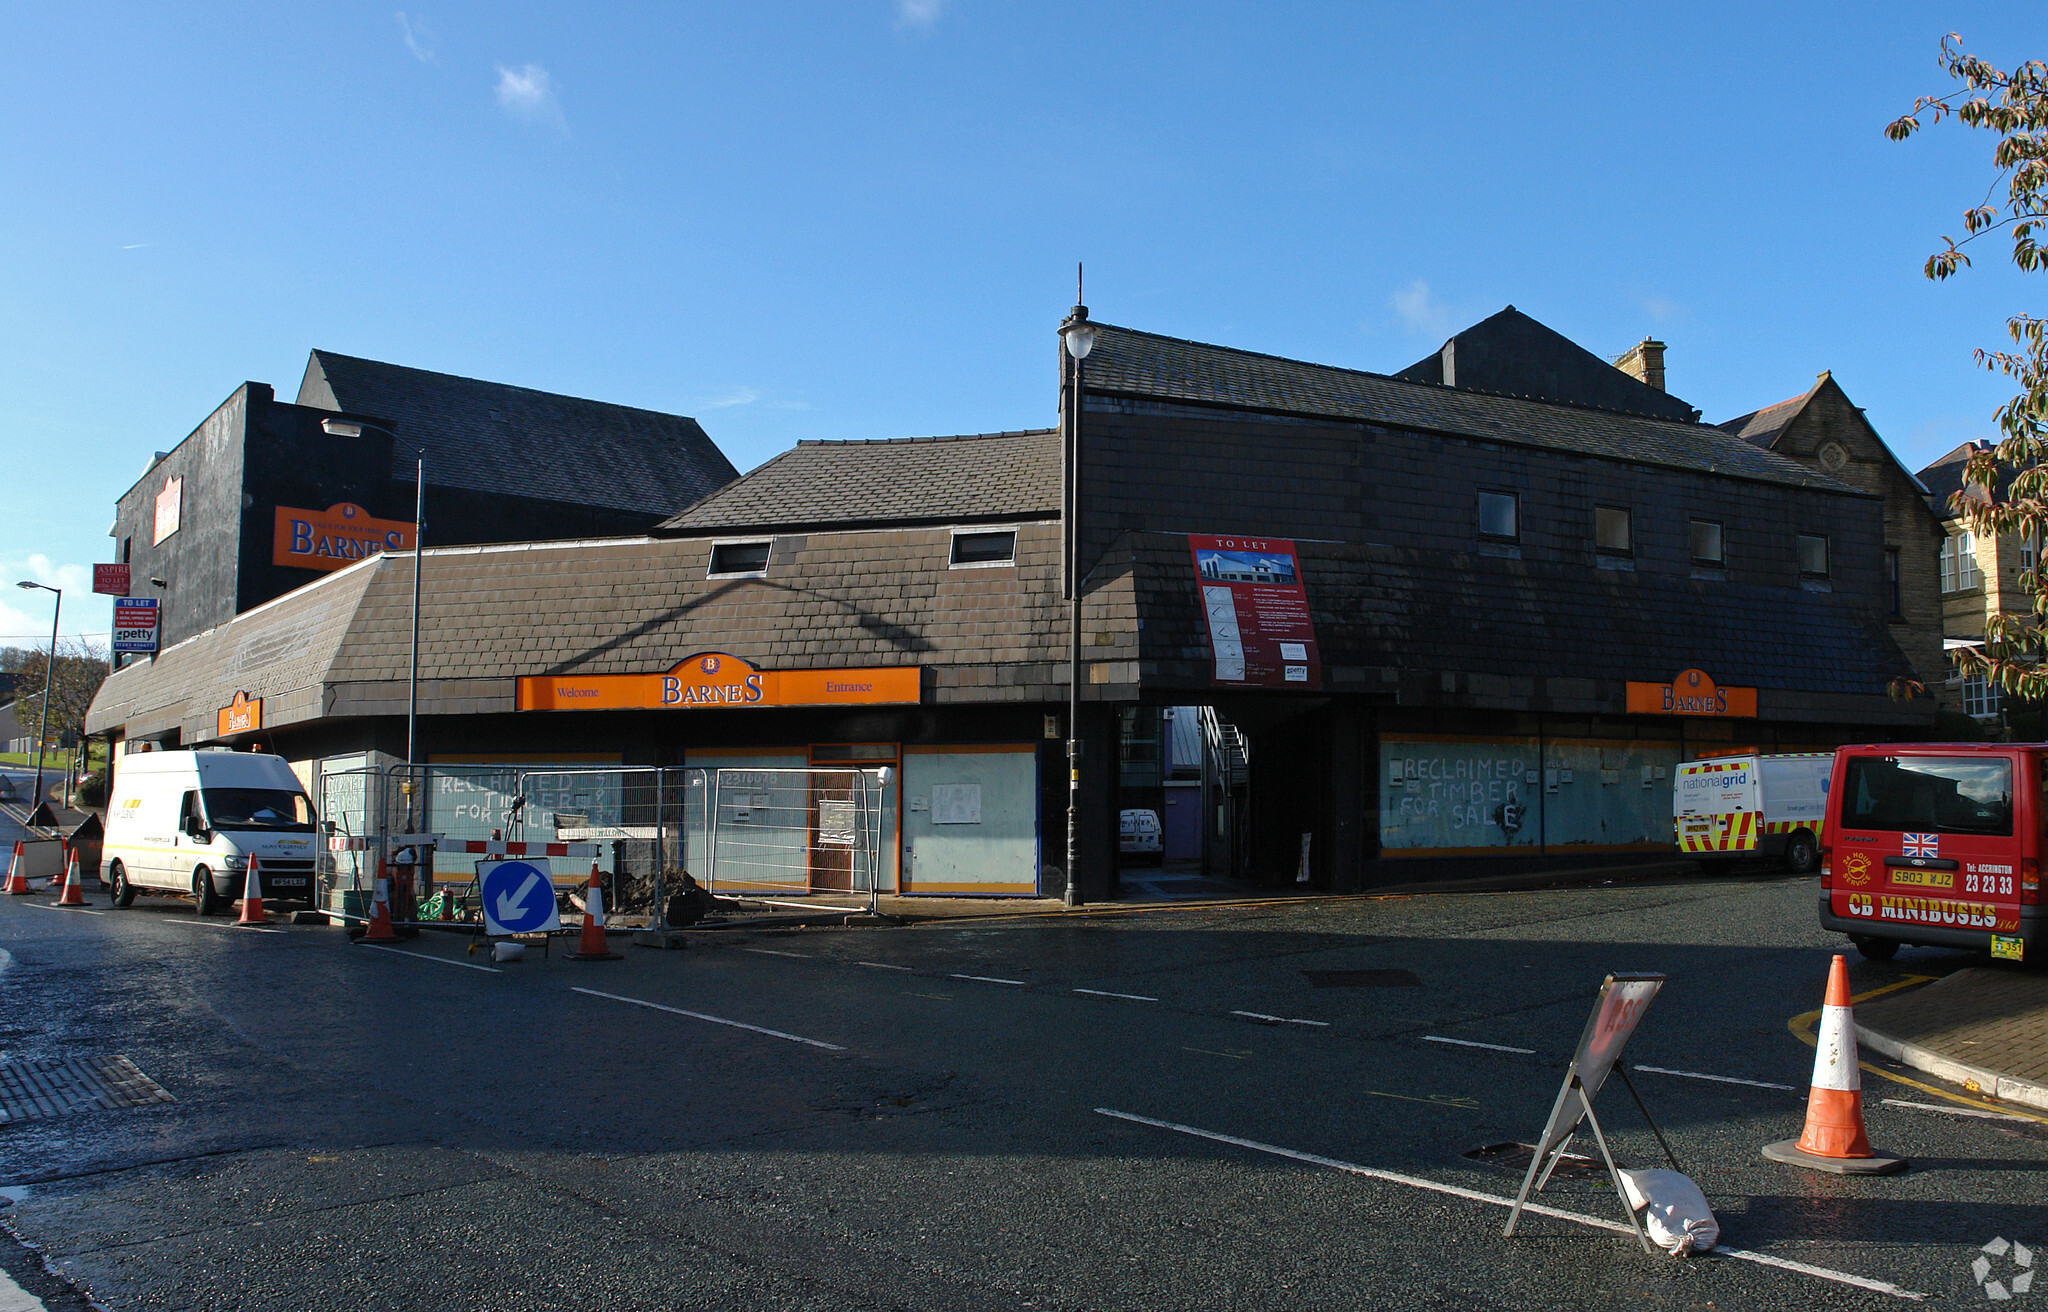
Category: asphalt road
[921,1117]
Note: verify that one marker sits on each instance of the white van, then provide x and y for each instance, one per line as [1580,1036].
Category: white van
[188,822]
[1138,835]
[1748,804]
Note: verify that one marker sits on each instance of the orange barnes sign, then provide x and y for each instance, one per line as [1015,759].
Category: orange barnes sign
[1691,693]
[714,679]
[338,536]
[239,716]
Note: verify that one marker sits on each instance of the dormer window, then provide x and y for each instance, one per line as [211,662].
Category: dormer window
[738,560]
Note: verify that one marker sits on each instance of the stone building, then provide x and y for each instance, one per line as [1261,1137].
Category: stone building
[1979,577]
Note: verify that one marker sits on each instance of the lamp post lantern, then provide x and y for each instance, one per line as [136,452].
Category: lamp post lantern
[1078,336]
[49,668]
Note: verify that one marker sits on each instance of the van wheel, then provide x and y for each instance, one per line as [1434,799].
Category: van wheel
[1876,949]
[204,898]
[124,891]
[1802,854]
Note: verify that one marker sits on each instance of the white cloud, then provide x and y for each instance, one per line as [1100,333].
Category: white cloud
[138,245]
[919,13]
[1420,310]
[1662,309]
[25,616]
[733,396]
[527,93]
[419,37]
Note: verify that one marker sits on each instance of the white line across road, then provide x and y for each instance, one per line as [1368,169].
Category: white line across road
[1278,1020]
[771,952]
[423,956]
[1718,1079]
[883,965]
[52,906]
[1496,1200]
[226,924]
[991,979]
[1957,1111]
[1474,1043]
[1104,993]
[715,1020]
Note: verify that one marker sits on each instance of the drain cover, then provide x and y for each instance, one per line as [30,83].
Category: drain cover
[1514,1158]
[1363,979]
[31,1090]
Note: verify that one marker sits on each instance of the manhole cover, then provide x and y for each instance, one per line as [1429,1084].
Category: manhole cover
[1363,979]
[1514,1159]
[31,1090]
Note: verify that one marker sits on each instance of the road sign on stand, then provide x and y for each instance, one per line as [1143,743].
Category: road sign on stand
[518,896]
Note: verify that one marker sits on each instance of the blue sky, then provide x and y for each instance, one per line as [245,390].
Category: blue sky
[860,219]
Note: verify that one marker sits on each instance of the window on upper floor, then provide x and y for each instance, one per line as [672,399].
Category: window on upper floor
[1500,516]
[1611,530]
[1706,543]
[737,559]
[984,547]
[1959,562]
[1812,549]
[2030,550]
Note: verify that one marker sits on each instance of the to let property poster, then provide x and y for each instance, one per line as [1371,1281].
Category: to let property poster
[1260,632]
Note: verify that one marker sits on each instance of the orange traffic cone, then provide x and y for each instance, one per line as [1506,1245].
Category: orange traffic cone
[380,912]
[74,886]
[591,946]
[252,898]
[1833,1139]
[17,882]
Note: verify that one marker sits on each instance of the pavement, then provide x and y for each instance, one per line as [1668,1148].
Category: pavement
[1982,1027]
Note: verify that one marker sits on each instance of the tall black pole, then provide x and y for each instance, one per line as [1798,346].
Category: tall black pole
[1073,895]
[49,667]
[412,683]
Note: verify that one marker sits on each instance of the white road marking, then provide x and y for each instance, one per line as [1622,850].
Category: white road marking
[13,1298]
[715,1020]
[52,906]
[226,924]
[883,965]
[1957,1111]
[1496,1200]
[990,979]
[771,952]
[1103,993]
[440,961]
[1472,1043]
[1278,1020]
[1718,1079]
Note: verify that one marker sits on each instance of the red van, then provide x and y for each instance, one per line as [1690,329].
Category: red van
[1936,843]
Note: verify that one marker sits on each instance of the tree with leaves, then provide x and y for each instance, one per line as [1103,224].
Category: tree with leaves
[2005,487]
[76,676]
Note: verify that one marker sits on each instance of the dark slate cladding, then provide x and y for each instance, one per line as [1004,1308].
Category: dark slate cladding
[914,480]
[1511,354]
[498,439]
[1944,478]
[1763,426]
[1389,609]
[1143,364]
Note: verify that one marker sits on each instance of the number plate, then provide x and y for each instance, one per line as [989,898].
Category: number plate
[1923,878]
[2008,947]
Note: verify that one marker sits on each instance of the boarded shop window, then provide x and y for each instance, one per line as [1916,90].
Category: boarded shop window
[1706,542]
[1611,530]
[1813,555]
[990,548]
[1499,516]
[738,558]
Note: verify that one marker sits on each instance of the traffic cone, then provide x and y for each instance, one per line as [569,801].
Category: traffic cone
[1833,1139]
[252,898]
[380,912]
[591,946]
[17,882]
[74,887]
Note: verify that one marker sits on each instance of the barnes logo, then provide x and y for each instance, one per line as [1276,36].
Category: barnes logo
[334,538]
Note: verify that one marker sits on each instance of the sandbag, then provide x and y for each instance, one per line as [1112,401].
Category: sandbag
[1673,1210]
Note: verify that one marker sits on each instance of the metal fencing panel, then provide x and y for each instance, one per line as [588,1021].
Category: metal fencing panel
[789,832]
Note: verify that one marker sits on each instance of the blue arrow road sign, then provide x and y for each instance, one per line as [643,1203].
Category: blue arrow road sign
[519,898]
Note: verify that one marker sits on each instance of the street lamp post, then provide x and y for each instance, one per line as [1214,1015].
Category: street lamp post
[49,668]
[354,428]
[1079,336]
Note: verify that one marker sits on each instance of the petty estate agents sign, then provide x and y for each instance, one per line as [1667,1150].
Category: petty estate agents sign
[1691,693]
[338,536]
[714,680]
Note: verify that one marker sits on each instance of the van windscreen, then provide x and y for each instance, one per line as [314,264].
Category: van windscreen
[258,808]
[1928,794]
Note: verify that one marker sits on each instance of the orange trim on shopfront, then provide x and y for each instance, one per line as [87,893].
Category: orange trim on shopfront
[717,680]
[1693,692]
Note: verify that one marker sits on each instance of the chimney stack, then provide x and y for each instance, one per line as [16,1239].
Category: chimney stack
[1644,362]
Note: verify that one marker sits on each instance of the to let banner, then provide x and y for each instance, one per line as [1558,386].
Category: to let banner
[111,580]
[1260,632]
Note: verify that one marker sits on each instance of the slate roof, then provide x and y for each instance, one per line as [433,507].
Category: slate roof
[493,437]
[1763,426]
[913,480]
[1944,478]
[1166,368]
[1511,354]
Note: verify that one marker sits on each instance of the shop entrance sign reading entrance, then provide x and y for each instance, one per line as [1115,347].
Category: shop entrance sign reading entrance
[1260,631]
[1617,1011]
[518,897]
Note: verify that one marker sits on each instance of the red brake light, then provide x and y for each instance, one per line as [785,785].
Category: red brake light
[2030,879]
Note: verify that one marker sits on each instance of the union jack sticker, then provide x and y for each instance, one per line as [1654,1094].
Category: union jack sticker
[1922,844]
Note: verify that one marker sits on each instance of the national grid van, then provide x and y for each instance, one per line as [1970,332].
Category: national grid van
[188,822]
[1749,804]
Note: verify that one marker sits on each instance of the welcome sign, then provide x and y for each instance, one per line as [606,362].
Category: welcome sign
[334,538]
[713,680]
